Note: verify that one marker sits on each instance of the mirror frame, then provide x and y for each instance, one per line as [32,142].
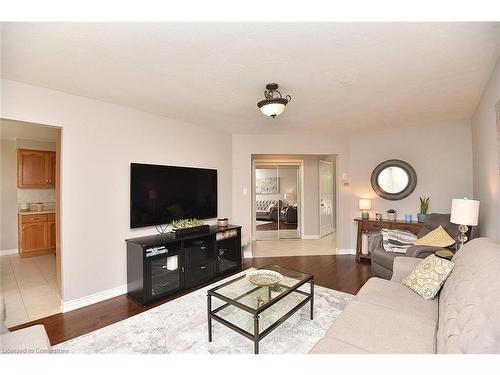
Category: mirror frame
[412,179]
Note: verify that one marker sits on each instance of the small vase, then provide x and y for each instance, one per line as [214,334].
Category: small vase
[391,216]
[422,217]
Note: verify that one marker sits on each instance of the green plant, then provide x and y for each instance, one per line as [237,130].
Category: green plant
[186,223]
[391,211]
[424,204]
[276,288]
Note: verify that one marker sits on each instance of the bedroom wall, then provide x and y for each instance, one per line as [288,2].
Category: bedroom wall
[486,153]
[99,141]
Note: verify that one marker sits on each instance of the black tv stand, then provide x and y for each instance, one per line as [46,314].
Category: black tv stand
[162,264]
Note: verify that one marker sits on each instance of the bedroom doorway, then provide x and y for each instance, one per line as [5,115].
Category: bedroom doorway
[277,197]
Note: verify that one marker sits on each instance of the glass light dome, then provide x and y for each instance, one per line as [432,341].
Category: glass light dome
[273,109]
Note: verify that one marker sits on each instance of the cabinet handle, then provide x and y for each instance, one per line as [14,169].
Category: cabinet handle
[203,248]
[203,267]
[182,269]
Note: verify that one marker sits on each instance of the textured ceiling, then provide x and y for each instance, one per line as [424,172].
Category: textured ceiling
[343,77]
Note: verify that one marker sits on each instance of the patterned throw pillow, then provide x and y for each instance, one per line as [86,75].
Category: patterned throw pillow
[429,276]
[438,237]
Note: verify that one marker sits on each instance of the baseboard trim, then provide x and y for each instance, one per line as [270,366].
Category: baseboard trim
[345,252]
[93,298]
[8,252]
[310,236]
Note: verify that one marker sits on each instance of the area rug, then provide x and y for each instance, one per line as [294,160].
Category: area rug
[180,326]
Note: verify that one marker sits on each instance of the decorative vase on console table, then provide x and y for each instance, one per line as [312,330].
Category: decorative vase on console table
[391,215]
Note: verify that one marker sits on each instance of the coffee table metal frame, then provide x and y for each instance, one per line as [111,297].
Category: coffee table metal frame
[257,336]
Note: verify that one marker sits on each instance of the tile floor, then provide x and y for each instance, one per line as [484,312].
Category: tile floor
[28,286]
[284,248]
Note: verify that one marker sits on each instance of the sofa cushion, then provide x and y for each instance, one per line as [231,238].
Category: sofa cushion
[438,237]
[469,303]
[428,276]
[328,345]
[33,339]
[379,329]
[396,296]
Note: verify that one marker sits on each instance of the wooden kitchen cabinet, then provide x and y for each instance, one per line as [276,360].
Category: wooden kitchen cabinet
[35,168]
[37,234]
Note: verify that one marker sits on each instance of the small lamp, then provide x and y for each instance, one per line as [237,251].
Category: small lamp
[464,212]
[364,206]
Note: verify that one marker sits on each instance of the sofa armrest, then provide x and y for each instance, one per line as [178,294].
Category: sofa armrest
[402,267]
[422,251]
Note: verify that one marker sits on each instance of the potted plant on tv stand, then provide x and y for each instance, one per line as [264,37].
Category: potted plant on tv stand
[188,226]
[424,206]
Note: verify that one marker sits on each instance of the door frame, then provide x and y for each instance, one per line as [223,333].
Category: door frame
[334,197]
[57,188]
[298,162]
[59,250]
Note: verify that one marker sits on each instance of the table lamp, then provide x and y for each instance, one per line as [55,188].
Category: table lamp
[464,212]
[364,206]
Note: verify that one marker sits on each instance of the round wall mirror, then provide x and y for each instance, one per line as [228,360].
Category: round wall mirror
[394,179]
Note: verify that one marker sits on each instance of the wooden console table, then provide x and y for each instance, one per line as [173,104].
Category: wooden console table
[373,225]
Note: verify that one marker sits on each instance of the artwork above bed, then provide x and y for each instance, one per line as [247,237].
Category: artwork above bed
[266,185]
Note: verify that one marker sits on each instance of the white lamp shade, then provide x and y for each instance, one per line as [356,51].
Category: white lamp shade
[464,211]
[273,109]
[365,204]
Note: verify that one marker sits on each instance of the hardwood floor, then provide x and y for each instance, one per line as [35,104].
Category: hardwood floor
[340,272]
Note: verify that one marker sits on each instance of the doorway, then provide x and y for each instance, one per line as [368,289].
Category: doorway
[30,254]
[326,197]
[277,197]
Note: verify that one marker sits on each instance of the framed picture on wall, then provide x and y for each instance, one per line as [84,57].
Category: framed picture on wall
[266,185]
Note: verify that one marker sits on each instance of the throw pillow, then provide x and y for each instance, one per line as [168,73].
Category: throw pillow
[397,241]
[438,237]
[428,276]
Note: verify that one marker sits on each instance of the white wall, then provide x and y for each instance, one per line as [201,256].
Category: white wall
[486,152]
[441,155]
[8,195]
[246,145]
[99,141]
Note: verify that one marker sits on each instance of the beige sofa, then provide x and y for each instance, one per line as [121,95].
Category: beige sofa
[29,340]
[387,317]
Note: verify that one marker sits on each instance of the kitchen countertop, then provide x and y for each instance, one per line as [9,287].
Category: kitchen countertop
[37,212]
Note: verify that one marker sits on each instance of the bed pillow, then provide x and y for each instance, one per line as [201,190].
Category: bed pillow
[428,276]
[397,241]
[438,237]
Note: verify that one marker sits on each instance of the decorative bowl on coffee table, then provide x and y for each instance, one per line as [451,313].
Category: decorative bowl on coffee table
[264,277]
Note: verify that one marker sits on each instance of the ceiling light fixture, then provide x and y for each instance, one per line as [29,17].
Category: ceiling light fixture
[274,103]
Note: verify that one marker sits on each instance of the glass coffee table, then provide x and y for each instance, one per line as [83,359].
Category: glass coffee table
[255,311]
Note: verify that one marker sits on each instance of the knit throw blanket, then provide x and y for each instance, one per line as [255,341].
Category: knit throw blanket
[397,241]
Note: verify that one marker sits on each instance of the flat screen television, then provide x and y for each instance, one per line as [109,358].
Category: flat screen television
[160,194]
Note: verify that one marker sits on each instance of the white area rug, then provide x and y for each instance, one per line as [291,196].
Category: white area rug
[180,326]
